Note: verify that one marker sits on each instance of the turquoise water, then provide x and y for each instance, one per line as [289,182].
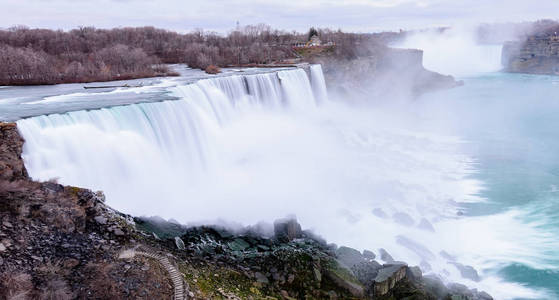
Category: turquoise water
[511,122]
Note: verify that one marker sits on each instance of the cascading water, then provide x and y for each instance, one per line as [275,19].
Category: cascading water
[253,148]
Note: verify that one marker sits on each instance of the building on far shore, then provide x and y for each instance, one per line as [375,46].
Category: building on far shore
[314,42]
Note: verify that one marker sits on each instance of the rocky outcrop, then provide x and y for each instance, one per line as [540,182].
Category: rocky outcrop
[386,72]
[60,242]
[537,54]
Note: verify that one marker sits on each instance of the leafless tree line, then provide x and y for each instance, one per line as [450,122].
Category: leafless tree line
[42,56]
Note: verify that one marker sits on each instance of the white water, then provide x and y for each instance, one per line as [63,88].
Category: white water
[252,148]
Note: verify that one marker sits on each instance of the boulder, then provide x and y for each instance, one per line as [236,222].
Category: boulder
[238,244]
[179,243]
[349,256]
[368,254]
[435,286]
[287,229]
[467,272]
[385,256]
[387,278]
[343,278]
[414,273]
[100,220]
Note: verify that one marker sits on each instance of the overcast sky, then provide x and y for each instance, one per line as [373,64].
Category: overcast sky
[221,15]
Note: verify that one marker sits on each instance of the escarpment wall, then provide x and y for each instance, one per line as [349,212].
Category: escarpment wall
[387,72]
[535,55]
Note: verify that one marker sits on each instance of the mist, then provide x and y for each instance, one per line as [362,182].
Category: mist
[454,51]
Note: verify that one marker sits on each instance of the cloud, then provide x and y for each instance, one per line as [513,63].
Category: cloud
[222,15]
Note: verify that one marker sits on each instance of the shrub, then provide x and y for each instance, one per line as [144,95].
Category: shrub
[213,69]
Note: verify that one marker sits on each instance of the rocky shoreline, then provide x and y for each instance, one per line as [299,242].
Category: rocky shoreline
[537,54]
[62,242]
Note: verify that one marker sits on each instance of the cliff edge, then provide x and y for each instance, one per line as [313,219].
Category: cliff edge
[382,71]
[536,54]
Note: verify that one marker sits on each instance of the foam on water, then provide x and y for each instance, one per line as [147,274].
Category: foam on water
[258,147]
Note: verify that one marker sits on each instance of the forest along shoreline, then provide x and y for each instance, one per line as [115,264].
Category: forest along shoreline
[42,56]
[64,242]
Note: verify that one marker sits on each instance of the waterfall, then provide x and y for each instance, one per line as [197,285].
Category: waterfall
[318,83]
[112,148]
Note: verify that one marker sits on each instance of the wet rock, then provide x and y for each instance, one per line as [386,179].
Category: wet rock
[366,272]
[349,256]
[435,286]
[484,296]
[403,219]
[287,229]
[55,187]
[179,243]
[118,232]
[385,256]
[387,278]
[317,274]
[467,272]
[261,278]
[414,273]
[344,279]
[100,220]
[238,244]
[425,225]
[368,254]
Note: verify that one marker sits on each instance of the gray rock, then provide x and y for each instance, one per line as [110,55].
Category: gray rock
[344,281]
[425,225]
[100,220]
[387,278]
[467,272]
[238,244]
[55,187]
[349,256]
[403,219]
[118,232]
[385,256]
[317,274]
[261,278]
[484,296]
[2,247]
[366,272]
[7,224]
[369,254]
[287,229]
[434,285]
[179,243]
[414,273]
